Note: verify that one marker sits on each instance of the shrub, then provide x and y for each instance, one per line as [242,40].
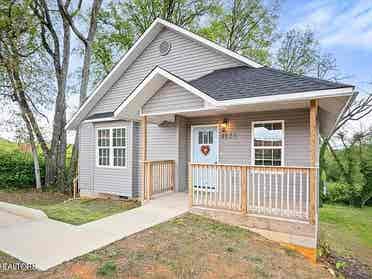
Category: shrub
[339,192]
[17,169]
[107,269]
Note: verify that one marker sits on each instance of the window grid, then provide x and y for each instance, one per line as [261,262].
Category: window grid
[111,145]
[268,150]
[205,137]
[118,142]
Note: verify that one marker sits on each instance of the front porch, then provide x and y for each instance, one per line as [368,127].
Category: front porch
[279,202]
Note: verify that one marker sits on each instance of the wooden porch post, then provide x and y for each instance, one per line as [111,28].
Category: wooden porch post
[144,155]
[313,158]
[243,171]
[190,185]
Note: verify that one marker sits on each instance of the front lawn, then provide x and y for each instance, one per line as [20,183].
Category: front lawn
[348,231]
[59,207]
[188,247]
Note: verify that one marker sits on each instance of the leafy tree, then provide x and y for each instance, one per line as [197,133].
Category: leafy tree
[22,70]
[300,53]
[120,24]
[352,165]
[244,26]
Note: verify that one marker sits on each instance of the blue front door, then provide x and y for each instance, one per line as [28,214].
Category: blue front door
[205,144]
[205,151]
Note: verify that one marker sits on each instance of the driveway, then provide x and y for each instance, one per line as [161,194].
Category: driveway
[47,243]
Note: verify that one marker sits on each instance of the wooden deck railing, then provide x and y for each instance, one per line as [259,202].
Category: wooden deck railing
[271,191]
[159,177]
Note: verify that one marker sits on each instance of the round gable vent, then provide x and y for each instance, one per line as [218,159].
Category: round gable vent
[165,48]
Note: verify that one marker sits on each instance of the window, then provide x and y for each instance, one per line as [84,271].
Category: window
[118,143]
[268,142]
[111,146]
[104,147]
[206,137]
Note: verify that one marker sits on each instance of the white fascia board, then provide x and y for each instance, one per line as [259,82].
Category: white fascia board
[209,43]
[156,73]
[105,119]
[348,91]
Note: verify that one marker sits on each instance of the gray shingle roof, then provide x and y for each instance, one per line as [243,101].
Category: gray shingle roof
[247,82]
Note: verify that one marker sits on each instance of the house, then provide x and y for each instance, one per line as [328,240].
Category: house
[180,113]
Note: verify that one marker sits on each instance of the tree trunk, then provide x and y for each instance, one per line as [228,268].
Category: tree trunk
[74,160]
[35,155]
[36,164]
[85,72]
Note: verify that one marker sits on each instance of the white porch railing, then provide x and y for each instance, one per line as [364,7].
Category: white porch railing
[270,191]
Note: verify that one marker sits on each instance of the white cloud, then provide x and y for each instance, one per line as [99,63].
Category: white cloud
[338,23]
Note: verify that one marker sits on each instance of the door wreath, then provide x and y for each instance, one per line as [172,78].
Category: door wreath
[205,149]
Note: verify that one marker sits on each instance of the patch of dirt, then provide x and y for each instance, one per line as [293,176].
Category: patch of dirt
[31,196]
[348,267]
[82,271]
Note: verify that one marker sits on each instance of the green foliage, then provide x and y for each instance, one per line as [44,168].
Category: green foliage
[247,27]
[339,192]
[340,265]
[348,172]
[16,167]
[107,269]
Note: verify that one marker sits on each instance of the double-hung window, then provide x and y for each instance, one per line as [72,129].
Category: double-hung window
[268,143]
[112,147]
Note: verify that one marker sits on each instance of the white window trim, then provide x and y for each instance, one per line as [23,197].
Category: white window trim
[267,147]
[111,148]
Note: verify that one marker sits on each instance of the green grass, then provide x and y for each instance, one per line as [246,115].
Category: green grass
[7,146]
[348,231]
[79,212]
[58,206]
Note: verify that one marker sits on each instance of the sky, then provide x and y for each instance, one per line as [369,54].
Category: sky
[343,28]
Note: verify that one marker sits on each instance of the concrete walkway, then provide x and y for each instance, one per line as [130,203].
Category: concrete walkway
[47,243]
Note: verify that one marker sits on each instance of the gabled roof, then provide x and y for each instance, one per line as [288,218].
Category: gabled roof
[248,82]
[149,86]
[131,56]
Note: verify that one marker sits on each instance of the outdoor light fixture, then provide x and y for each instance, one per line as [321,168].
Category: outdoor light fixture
[225,125]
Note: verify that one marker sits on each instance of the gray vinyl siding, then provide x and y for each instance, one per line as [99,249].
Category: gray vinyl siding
[182,158]
[99,179]
[172,97]
[162,142]
[86,157]
[187,59]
